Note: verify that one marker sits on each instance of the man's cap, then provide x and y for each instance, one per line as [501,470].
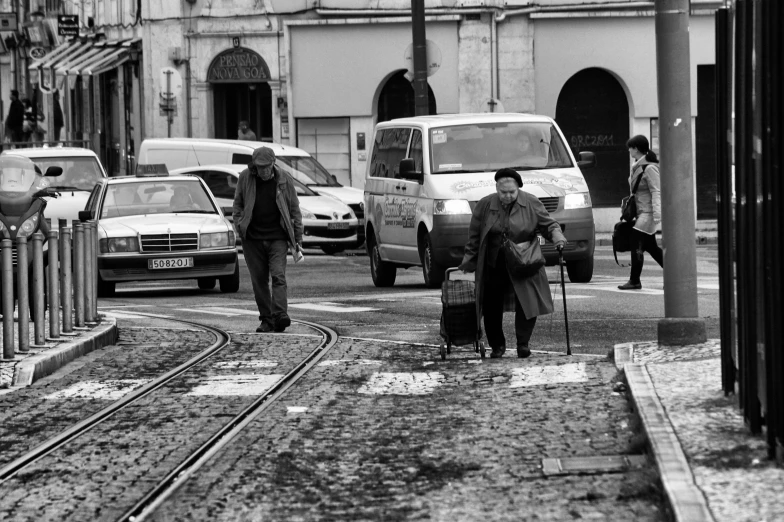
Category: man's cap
[263,157]
[509,173]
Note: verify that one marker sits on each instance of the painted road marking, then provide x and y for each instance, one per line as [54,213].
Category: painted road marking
[230,311]
[235,385]
[111,390]
[556,374]
[296,409]
[241,365]
[417,383]
[335,362]
[332,307]
[208,311]
[138,315]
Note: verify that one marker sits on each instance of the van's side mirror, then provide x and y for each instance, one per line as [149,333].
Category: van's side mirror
[85,215]
[586,160]
[54,170]
[408,171]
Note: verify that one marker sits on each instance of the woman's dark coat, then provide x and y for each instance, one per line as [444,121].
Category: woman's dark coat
[527,216]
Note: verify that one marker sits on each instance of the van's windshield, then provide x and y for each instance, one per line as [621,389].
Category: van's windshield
[490,146]
[307,170]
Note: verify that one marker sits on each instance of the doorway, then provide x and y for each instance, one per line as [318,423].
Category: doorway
[593,113]
[397,99]
[235,102]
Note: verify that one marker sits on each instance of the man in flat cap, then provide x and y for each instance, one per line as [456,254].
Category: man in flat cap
[268,219]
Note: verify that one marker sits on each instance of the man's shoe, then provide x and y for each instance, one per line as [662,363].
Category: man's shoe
[630,286]
[523,352]
[497,353]
[264,327]
[282,322]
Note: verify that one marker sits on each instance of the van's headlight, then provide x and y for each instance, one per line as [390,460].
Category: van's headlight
[215,240]
[118,244]
[579,200]
[451,207]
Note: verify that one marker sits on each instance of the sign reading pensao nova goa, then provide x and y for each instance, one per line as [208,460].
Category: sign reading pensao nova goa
[237,65]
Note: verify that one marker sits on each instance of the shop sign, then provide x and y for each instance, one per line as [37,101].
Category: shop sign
[68,25]
[238,66]
[8,22]
[36,53]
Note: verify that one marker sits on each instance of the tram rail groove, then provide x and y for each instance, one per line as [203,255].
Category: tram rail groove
[222,340]
[177,477]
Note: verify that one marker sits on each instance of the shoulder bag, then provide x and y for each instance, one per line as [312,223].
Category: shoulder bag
[523,259]
[621,239]
[629,203]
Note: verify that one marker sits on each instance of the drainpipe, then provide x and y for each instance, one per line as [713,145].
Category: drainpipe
[188,118]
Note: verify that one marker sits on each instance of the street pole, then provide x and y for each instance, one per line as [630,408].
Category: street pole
[420,58]
[682,323]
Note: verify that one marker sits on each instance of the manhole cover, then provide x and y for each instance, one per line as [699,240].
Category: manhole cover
[592,465]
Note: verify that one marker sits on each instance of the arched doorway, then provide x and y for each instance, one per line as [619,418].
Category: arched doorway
[593,113]
[240,92]
[397,98]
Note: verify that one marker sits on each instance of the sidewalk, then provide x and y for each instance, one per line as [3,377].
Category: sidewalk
[706,232]
[711,467]
[28,367]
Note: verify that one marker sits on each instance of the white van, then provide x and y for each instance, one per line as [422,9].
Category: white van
[177,153]
[426,174]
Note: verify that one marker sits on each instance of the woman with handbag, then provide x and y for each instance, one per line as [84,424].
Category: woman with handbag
[645,176]
[515,216]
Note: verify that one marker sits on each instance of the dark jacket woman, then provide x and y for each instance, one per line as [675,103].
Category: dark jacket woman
[496,289]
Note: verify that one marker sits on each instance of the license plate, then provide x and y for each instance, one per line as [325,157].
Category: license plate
[170,262]
[337,226]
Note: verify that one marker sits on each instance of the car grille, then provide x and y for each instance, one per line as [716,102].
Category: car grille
[169,242]
[551,204]
[331,234]
[358,210]
[322,216]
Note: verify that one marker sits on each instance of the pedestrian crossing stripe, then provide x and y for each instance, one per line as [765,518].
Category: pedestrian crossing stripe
[235,385]
[111,390]
[332,307]
[415,383]
[554,374]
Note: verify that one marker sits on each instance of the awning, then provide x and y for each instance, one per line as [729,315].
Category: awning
[87,57]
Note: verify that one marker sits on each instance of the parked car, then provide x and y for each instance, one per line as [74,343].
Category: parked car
[81,171]
[329,224]
[177,153]
[161,227]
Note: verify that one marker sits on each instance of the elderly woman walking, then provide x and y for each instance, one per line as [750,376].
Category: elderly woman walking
[518,216]
[648,197]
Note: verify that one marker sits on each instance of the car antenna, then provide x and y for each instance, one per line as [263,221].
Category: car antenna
[198,163]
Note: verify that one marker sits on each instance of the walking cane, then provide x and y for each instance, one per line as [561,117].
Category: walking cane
[563,298]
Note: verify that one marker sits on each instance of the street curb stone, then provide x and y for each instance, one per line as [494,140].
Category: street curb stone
[40,365]
[699,240]
[687,502]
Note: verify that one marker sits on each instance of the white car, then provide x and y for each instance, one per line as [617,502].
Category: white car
[81,171]
[328,223]
[161,227]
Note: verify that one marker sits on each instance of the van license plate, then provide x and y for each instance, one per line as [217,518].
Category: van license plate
[337,226]
[172,262]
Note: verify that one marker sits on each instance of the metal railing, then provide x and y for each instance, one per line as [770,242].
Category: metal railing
[71,286]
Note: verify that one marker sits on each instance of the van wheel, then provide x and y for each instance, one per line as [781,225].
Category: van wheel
[231,283]
[580,271]
[432,271]
[206,283]
[383,273]
[106,288]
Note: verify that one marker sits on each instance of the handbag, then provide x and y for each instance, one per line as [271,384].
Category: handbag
[523,259]
[621,239]
[629,203]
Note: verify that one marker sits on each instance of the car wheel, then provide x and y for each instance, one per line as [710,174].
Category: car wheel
[431,270]
[383,273]
[580,271]
[231,283]
[332,249]
[206,283]
[106,288]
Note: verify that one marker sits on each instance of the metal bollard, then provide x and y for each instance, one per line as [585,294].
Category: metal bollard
[89,274]
[78,286]
[23,294]
[65,269]
[54,287]
[61,224]
[39,295]
[8,298]
[94,264]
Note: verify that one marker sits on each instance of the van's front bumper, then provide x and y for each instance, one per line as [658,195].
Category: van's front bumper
[450,235]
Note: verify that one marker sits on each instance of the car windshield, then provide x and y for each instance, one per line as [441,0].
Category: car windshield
[307,170]
[302,190]
[490,146]
[79,173]
[156,197]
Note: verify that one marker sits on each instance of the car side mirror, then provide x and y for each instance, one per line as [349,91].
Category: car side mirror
[408,171]
[54,170]
[586,160]
[86,215]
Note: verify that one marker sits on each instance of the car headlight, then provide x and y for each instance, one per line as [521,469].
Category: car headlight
[579,200]
[307,214]
[118,244]
[451,206]
[216,240]
[29,226]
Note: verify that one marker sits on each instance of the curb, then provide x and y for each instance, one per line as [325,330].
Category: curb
[699,240]
[40,365]
[686,500]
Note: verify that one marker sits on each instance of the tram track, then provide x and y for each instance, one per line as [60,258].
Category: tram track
[223,436]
